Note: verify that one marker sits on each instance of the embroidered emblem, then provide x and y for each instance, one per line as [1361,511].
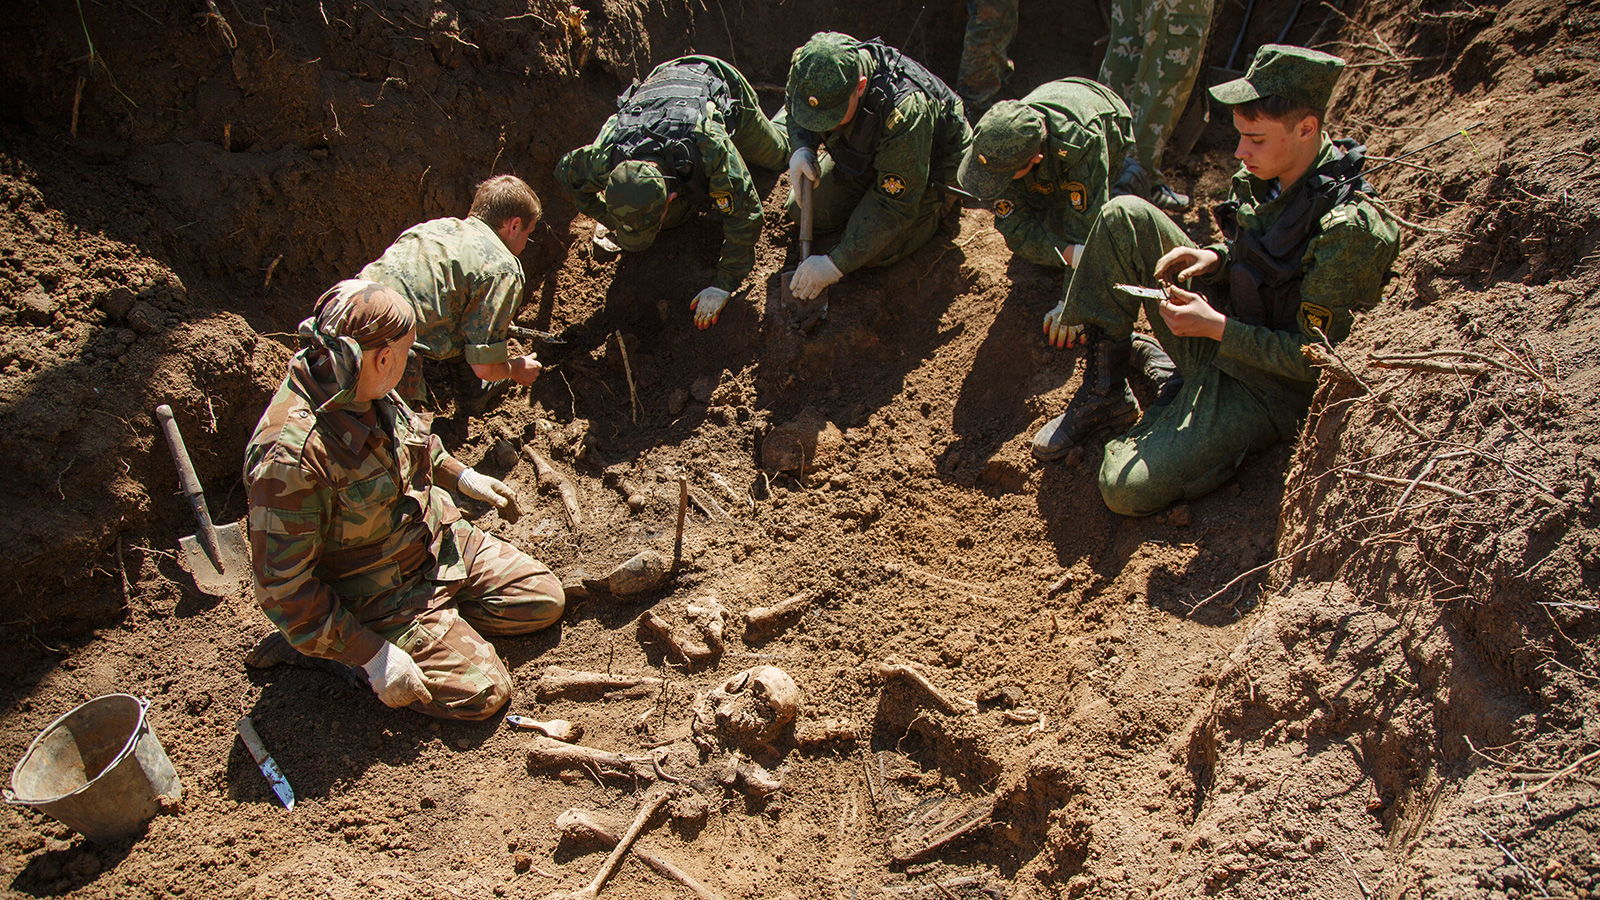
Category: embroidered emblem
[1042,187]
[1315,317]
[1077,195]
[812,101]
[723,201]
[1003,208]
[893,185]
[983,160]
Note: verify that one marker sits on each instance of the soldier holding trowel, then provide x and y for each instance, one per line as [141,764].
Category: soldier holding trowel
[893,132]
[464,280]
[691,129]
[1307,249]
[361,558]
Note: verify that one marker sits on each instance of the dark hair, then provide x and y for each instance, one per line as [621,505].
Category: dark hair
[1273,106]
[505,197]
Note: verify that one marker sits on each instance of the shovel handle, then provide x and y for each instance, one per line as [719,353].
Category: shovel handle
[806,222]
[188,481]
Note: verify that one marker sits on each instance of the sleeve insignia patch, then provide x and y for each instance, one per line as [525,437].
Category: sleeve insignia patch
[1003,208]
[892,185]
[1314,316]
[1077,195]
[723,201]
[1042,187]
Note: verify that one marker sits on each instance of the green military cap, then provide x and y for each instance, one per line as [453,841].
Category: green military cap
[1302,77]
[636,194]
[822,75]
[1006,139]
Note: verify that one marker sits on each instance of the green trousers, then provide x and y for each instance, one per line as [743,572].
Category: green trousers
[1192,445]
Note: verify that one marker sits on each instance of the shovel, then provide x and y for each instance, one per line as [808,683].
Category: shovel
[218,558]
[806,312]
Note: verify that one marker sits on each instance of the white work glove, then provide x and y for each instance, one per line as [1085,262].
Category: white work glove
[396,678]
[707,305]
[1061,335]
[1071,255]
[816,272]
[804,162]
[479,486]
[602,239]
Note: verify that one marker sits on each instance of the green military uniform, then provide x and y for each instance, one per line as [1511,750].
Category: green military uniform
[702,149]
[1153,56]
[985,65]
[1249,389]
[879,175]
[354,543]
[1082,130]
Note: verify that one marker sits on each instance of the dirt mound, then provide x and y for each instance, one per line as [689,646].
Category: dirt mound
[1364,667]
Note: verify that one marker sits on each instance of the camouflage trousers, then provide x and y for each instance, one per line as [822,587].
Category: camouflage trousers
[442,624]
[1192,445]
[1154,55]
[991,24]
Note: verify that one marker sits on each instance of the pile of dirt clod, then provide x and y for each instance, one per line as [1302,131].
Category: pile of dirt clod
[1365,667]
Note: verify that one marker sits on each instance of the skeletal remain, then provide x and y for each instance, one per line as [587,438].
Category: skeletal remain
[644,571]
[966,821]
[697,640]
[579,823]
[821,733]
[549,753]
[609,867]
[558,682]
[551,478]
[954,707]
[748,711]
[763,620]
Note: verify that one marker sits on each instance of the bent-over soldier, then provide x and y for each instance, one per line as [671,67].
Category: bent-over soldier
[463,277]
[691,130]
[360,556]
[1307,250]
[894,135]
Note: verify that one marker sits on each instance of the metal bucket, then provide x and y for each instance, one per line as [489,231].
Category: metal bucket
[98,769]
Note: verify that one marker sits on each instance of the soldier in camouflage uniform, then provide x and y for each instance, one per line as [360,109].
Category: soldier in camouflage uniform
[985,65]
[1154,55]
[464,279]
[360,556]
[893,131]
[1047,161]
[691,129]
[1308,249]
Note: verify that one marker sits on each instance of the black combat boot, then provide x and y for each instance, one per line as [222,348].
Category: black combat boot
[1103,401]
[1157,368]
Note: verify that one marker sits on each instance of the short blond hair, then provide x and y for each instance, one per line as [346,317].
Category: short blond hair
[505,197]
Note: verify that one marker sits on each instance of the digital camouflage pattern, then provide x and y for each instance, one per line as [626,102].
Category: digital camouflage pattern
[463,282]
[1302,76]
[1248,390]
[353,542]
[892,207]
[1087,133]
[985,65]
[726,150]
[1154,54]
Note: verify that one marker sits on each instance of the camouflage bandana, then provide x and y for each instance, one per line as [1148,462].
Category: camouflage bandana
[636,193]
[350,317]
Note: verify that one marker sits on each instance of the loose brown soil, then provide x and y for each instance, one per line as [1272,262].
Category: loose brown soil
[1401,698]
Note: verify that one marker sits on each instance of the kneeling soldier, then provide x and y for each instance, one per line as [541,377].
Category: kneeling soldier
[692,128]
[894,133]
[360,557]
[1309,250]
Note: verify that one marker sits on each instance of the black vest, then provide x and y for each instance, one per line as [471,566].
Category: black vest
[656,120]
[895,76]
[1265,268]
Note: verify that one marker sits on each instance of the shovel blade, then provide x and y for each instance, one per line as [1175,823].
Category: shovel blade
[803,313]
[221,576]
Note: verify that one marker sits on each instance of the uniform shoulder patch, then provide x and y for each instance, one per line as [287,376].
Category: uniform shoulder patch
[1042,187]
[1339,215]
[723,201]
[1003,208]
[892,185]
[1315,317]
[1076,194]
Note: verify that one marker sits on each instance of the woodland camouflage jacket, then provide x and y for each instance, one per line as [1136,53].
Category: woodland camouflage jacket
[339,520]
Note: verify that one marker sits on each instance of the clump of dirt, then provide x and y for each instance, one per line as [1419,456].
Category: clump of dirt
[1365,666]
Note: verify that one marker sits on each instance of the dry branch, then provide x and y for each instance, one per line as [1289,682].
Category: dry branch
[609,867]
[577,822]
[1407,483]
